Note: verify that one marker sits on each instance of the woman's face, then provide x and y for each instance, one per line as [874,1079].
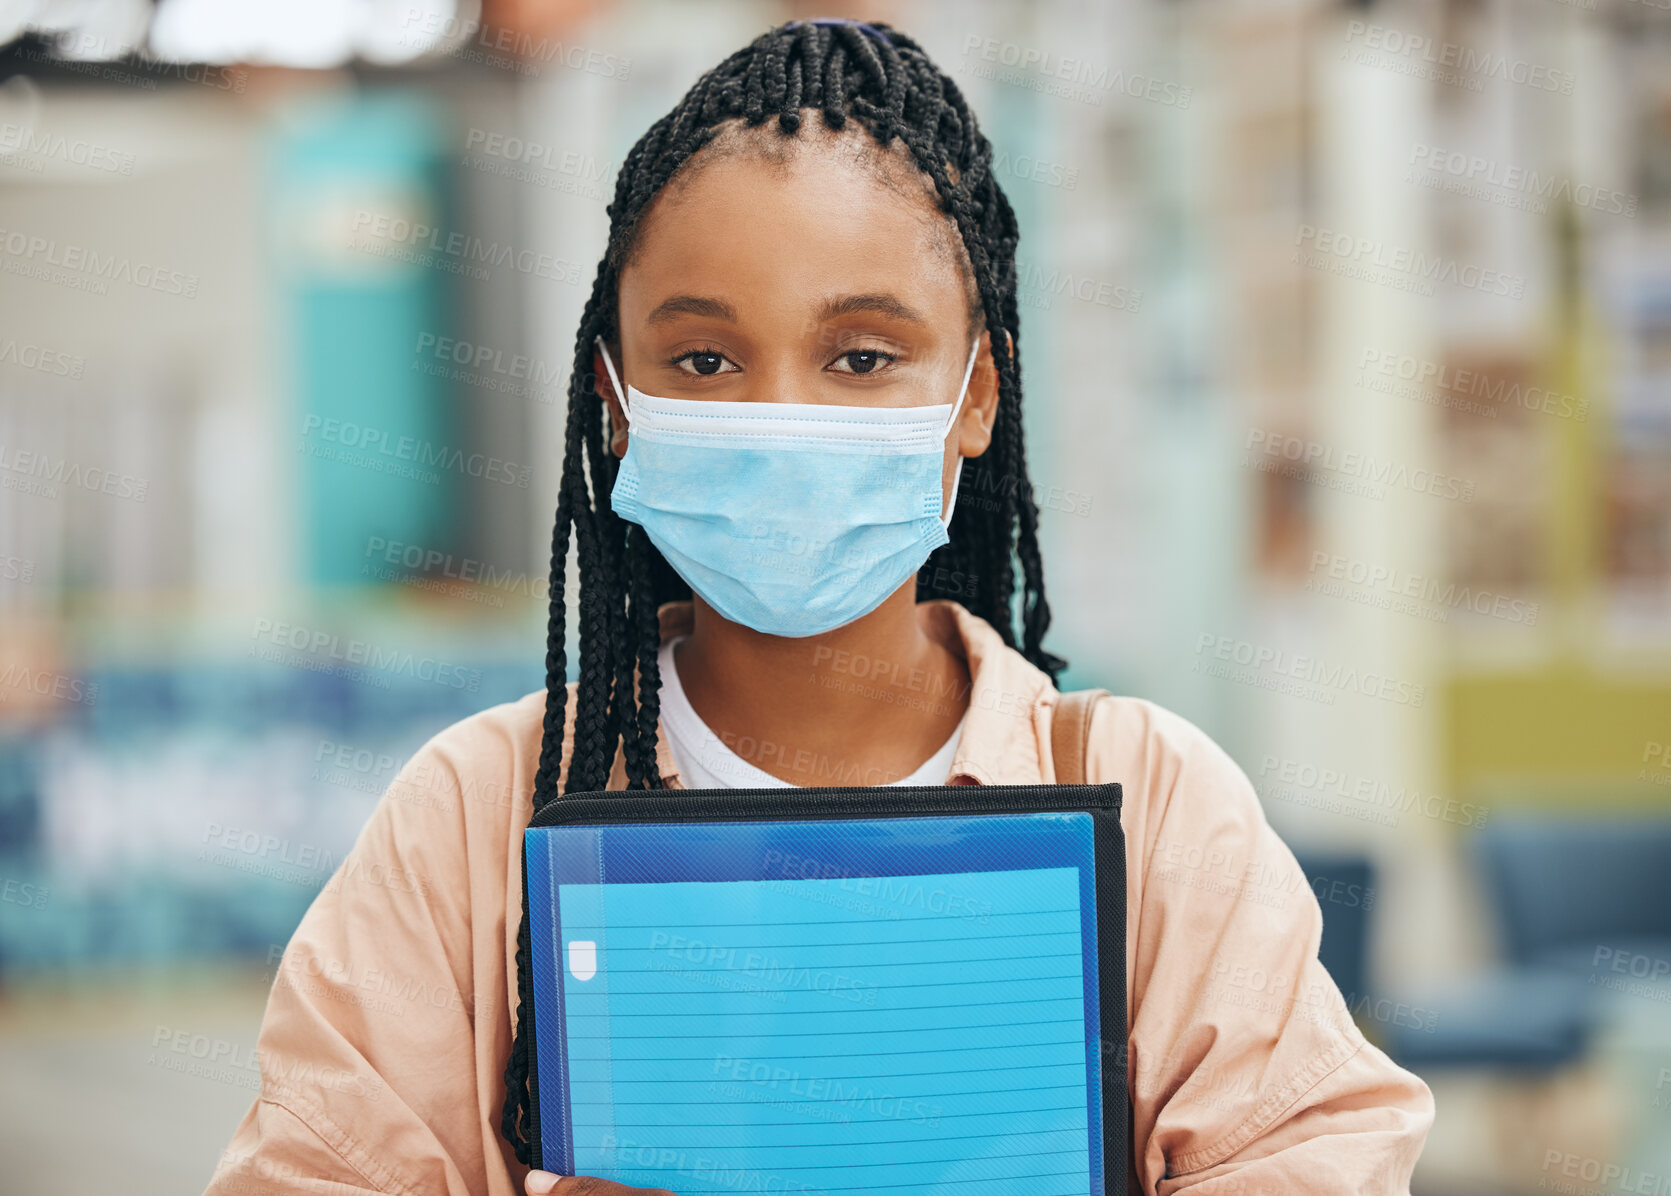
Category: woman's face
[828,277]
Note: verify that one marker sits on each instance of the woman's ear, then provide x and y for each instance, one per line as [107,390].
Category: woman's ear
[980,405]
[617,418]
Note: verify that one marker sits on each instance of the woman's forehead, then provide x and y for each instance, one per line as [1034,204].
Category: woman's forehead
[768,205]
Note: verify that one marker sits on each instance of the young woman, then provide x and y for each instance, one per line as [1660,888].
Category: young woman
[812,242]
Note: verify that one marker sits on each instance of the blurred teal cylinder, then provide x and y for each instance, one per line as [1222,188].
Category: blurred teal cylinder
[365,248]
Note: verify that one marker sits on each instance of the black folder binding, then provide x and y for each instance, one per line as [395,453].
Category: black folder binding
[875,990]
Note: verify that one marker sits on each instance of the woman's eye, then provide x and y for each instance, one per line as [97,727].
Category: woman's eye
[862,361]
[703,362]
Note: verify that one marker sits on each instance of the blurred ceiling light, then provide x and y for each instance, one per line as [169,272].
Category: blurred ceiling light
[17,18]
[92,30]
[406,29]
[297,33]
[305,34]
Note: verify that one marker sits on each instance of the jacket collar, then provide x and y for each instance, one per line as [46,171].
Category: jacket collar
[1008,701]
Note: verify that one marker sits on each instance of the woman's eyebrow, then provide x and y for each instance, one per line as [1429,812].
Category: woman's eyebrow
[692,305]
[883,304]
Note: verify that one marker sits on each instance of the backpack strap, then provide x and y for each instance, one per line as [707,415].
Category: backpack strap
[1070,733]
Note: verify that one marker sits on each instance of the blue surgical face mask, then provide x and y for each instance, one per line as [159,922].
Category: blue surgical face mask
[790,518]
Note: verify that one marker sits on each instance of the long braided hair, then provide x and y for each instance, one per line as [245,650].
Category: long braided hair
[882,79]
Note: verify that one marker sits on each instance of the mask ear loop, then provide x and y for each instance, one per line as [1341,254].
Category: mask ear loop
[957,476]
[620,391]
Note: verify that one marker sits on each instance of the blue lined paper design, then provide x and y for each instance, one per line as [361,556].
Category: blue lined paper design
[907,1034]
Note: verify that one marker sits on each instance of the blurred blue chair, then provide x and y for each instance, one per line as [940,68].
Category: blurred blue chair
[20,802]
[1344,886]
[1566,893]
[1568,890]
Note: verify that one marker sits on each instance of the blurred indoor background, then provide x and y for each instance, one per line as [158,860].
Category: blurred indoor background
[1347,335]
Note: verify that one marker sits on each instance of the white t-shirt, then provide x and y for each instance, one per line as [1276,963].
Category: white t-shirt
[706,762]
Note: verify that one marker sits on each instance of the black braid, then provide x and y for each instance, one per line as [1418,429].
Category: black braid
[881,78]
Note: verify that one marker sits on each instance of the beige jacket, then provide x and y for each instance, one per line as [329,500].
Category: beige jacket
[384,1042]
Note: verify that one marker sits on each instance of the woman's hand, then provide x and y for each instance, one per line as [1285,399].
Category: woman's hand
[543,1183]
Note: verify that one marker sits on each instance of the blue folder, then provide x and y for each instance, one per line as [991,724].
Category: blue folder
[886,991]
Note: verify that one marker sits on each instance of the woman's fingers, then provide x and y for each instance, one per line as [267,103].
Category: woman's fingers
[544,1183]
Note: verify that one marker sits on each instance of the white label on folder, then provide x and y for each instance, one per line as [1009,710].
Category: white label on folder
[583,959]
